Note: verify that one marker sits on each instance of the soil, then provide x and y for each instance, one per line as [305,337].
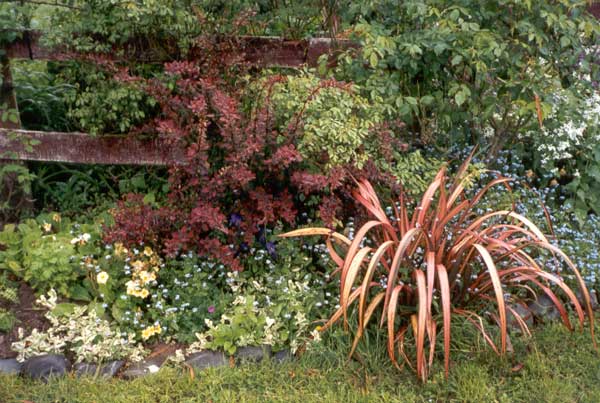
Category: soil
[28,315]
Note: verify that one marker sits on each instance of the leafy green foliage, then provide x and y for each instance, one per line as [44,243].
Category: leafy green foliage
[40,96]
[77,190]
[46,253]
[414,170]
[483,72]
[7,320]
[99,104]
[167,25]
[99,26]
[277,300]
[334,121]
[79,331]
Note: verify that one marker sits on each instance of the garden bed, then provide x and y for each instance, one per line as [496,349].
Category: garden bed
[421,204]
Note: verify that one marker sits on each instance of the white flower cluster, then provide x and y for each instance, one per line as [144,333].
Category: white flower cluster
[559,143]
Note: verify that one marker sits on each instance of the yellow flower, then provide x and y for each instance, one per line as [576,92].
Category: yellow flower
[151,331]
[147,277]
[144,293]
[138,265]
[56,217]
[47,227]
[120,250]
[102,277]
[148,251]
[132,287]
[147,333]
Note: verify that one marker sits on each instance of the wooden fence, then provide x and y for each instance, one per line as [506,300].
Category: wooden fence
[81,148]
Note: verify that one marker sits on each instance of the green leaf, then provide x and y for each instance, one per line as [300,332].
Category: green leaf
[64,309]
[373,60]
[460,98]
[149,198]
[14,266]
[117,313]
[427,100]
[79,293]
[97,307]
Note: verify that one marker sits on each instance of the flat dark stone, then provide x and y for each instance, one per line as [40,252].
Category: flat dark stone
[543,309]
[206,359]
[284,355]
[148,366]
[10,366]
[140,369]
[593,299]
[108,370]
[513,323]
[44,366]
[253,353]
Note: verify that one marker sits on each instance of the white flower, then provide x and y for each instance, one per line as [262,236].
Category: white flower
[102,277]
[269,322]
[153,369]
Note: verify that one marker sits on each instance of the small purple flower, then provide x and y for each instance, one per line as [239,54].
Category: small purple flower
[211,309]
[235,220]
[271,249]
[244,247]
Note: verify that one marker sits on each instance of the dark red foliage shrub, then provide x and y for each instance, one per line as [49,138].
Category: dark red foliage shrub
[241,175]
[138,222]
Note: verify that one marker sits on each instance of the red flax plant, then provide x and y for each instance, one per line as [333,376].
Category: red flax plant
[445,251]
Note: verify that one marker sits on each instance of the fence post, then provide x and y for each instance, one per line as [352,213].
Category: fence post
[14,198]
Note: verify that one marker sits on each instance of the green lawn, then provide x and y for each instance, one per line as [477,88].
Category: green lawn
[558,366]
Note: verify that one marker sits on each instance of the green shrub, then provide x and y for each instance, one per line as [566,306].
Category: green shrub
[100,104]
[331,119]
[462,71]
[47,253]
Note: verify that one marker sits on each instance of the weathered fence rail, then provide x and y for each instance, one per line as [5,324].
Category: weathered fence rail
[260,51]
[81,148]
